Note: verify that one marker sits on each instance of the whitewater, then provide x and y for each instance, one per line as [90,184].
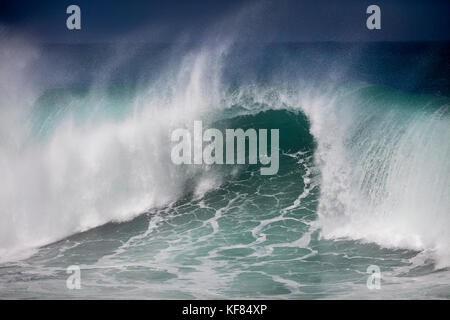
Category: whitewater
[87,177]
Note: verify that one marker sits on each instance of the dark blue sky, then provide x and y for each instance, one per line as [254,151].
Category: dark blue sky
[283,20]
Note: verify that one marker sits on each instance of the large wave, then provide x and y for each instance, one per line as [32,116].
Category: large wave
[75,158]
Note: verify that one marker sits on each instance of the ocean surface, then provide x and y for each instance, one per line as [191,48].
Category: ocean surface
[87,179]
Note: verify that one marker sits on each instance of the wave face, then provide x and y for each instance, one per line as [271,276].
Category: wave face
[87,176]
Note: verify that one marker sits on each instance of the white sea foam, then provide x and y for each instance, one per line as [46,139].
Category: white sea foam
[85,174]
[384,168]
